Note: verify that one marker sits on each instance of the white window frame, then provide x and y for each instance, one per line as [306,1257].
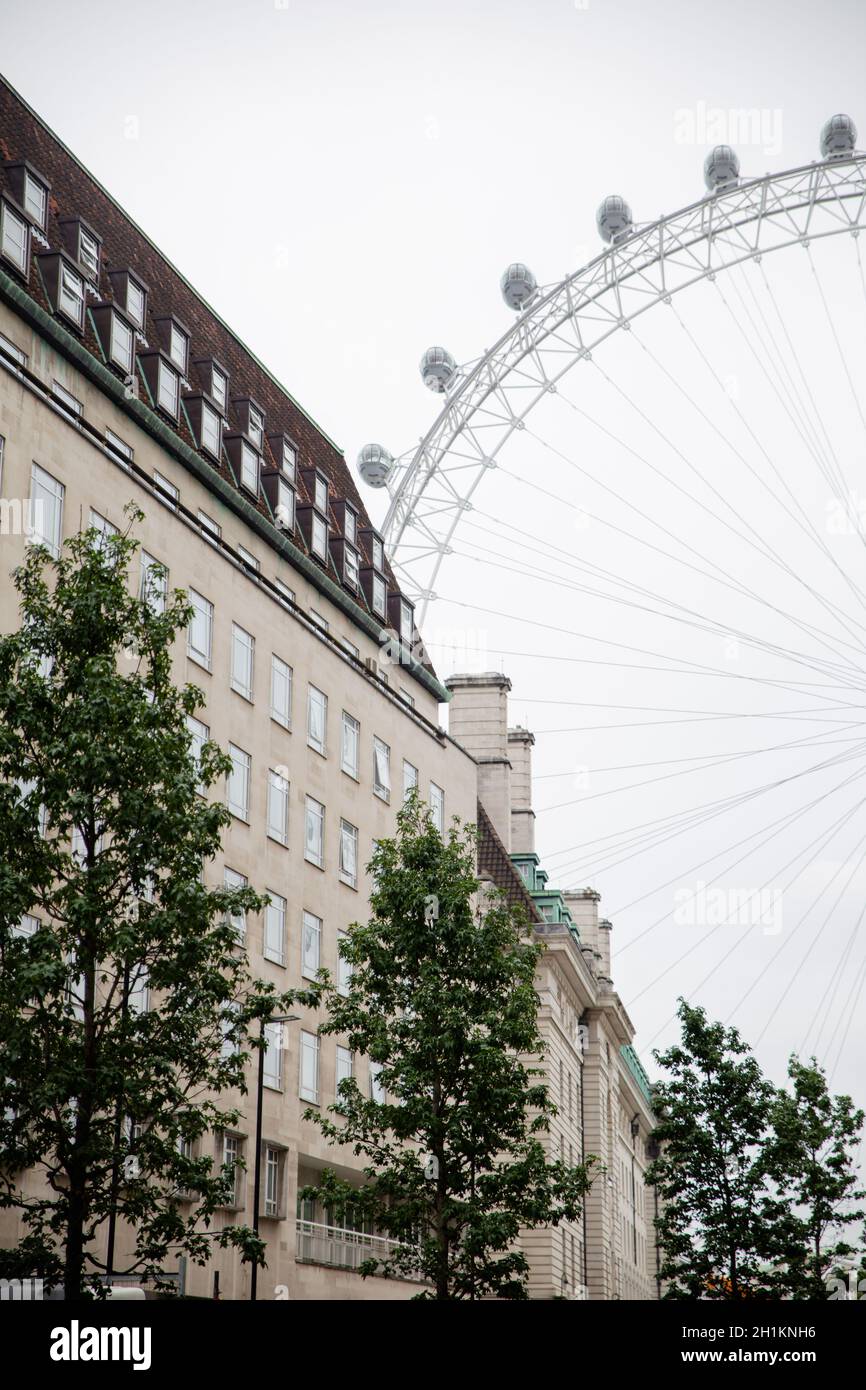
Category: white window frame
[378,553]
[344,1069]
[122,355]
[212,529]
[319,537]
[272,1062]
[281,691]
[285,509]
[314,819]
[381,769]
[35,198]
[437,806]
[238,782]
[352,568]
[202,614]
[278,807]
[317,719]
[238,920]
[15,249]
[67,400]
[167,387]
[350,745]
[178,347]
[273,1164]
[344,968]
[120,445]
[46,509]
[249,468]
[274,936]
[377,1090]
[289,460]
[136,301]
[243,661]
[308,1088]
[88,251]
[410,781]
[219,393]
[311,944]
[350,526]
[70,294]
[167,486]
[406,622]
[211,430]
[348,868]
[152,588]
[199,736]
[320,494]
[232,1150]
[255,426]
[379,595]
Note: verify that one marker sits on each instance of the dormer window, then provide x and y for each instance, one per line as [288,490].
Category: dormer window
[285,508]
[83,245]
[219,387]
[71,297]
[168,388]
[178,347]
[88,252]
[289,459]
[379,595]
[350,527]
[406,622]
[321,494]
[256,426]
[35,198]
[14,237]
[251,420]
[211,430]
[352,568]
[378,554]
[320,537]
[122,340]
[135,302]
[249,468]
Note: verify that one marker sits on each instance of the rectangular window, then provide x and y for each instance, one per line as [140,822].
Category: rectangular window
[88,251]
[278,807]
[437,806]
[243,658]
[285,508]
[406,621]
[344,968]
[139,991]
[345,1065]
[275,929]
[238,920]
[26,926]
[35,198]
[14,237]
[349,745]
[239,783]
[377,1090]
[249,558]
[211,528]
[350,526]
[348,854]
[199,640]
[378,596]
[284,589]
[320,537]
[381,769]
[314,832]
[352,571]
[46,509]
[211,430]
[410,778]
[320,621]
[135,302]
[256,426]
[321,495]
[249,468]
[119,444]
[13,350]
[71,294]
[199,734]
[167,389]
[281,692]
[66,399]
[178,343]
[309,1067]
[317,719]
[122,341]
[153,586]
[289,460]
[272,1068]
[410,699]
[219,387]
[103,526]
[311,945]
[273,1173]
[166,486]
[231,1155]
[378,554]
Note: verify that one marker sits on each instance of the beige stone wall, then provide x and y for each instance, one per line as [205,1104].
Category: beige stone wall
[34,430]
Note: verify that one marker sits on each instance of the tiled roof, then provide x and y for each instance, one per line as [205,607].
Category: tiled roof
[495,864]
[75,193]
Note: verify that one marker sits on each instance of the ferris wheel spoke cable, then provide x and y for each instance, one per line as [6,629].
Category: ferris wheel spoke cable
[754,539]
[855,1000]
[832,988]
[831,325]
[534,571]
[817,845]
[703,812]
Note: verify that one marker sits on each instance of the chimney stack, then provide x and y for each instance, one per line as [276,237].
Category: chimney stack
[520,743]
[478,721]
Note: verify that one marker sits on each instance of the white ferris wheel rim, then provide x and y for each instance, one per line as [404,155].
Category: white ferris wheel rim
[490,398]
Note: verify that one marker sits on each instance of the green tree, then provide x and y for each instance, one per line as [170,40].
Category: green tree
[811,1156]
[441,999]
[720,1229]
[103,839]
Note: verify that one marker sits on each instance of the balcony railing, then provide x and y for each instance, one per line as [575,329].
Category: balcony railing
[342,1248]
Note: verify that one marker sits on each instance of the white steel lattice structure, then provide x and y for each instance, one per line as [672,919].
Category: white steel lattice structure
[488,399]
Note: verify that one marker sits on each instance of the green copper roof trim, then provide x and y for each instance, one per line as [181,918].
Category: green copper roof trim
[149,421]
[172,266]
[633,1063]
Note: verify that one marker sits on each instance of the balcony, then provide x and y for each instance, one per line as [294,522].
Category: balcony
[341,1248]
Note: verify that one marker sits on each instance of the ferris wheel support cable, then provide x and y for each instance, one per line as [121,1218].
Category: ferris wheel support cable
[695,619]
[832,985]
[853,999]
[694,816]
[842,358]
[805,523]
[825,837]
[818,664]
[805,742]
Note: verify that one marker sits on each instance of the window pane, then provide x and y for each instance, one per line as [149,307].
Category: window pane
[34,199]
[121,343]
[210,430]
[72,294]
[46,509]
[135,303]
[317,719]
[281,691]
[320,537]
[381,769]
[309,1066]
[167,390]
[410,778]
[232,879]
[344,1065]
[350,745]
[321,495]
[239,783]
[278,807]
[344,968]
[14,237]
[249,468]
[349,853]
[243,656]
[378,596]
[219,386]
[199,735]
[275,929]
[177,347]
[314,832]
[311,945]
[437,806]
[273,1059]
[153,586]
[200,630]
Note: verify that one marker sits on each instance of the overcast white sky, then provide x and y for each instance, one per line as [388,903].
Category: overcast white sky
[345,183]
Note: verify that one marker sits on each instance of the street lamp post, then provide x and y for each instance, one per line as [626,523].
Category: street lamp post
[257,1179]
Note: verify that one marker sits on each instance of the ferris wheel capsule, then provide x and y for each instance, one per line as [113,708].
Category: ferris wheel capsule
[838,137]
[437,368]
[374,464]
[518,285]
[721,168]
[614,219]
